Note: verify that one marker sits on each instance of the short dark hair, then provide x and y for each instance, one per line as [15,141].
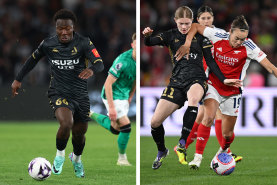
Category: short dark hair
[65,14]
[204,9]
[240,23]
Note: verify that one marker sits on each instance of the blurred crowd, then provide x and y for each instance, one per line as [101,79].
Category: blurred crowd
[25,23]
[260,14]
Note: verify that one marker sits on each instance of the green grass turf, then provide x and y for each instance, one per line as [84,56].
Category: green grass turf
[21,142]
[258,167]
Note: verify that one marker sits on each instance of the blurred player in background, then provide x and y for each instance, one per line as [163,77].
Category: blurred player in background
[205,17]
[117,94]
[188,81]
[233,52]
[68,54]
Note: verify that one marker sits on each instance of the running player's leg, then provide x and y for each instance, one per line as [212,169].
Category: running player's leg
[193,134]
[194,95]
[203,133]
[218,129]
[163,110]
[228,124]
[218,122]
[78,141]
[122,140]
[65,117]
[105,122]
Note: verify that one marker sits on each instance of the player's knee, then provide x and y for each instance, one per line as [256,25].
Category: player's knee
[155,123]
[66,122]
[208,121]
[193,101]
[114,131]
[126,128]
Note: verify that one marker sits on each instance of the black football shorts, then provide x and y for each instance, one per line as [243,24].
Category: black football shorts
[80,108]
[179,95]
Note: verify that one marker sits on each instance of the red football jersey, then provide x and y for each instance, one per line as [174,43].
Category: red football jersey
[233,62]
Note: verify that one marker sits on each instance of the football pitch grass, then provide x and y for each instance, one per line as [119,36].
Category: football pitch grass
[258,167]
[21,142]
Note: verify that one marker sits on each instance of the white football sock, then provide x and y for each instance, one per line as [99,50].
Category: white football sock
[60,153]
[76,158]
[122,156]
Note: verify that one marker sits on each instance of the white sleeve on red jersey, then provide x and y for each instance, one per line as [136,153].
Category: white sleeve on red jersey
[253,51]
[215,34]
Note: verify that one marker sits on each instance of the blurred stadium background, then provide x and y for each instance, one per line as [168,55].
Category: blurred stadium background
[258,109]
[25,23]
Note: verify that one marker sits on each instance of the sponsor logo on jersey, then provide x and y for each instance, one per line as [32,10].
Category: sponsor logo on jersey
[237,52]
[191,55]
[65,64]
[219,49]
[226,60]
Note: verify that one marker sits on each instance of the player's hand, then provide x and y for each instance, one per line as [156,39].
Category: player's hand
[183,51]
[233,82]
[15,86]
[129,100]
[112,114]
[147,31]
[86,73]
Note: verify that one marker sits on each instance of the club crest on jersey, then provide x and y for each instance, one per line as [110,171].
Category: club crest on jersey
[74,51]
[65,64]
[55,50]
[95,52]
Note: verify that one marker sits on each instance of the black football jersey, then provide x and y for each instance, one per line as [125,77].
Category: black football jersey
[184,71]
[66,61]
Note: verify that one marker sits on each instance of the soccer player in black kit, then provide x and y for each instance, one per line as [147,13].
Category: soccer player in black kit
[188,81]
[68,54]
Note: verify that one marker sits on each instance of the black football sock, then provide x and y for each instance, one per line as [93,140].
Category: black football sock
[78,147]
[158,136]
[61,143]
[188,121]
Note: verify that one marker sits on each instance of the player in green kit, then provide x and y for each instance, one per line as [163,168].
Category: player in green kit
[117,94]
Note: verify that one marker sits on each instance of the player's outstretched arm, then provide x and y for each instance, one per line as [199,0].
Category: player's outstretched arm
[150,40]
[109,95]
[147,32]
[184,49]
[269,66]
